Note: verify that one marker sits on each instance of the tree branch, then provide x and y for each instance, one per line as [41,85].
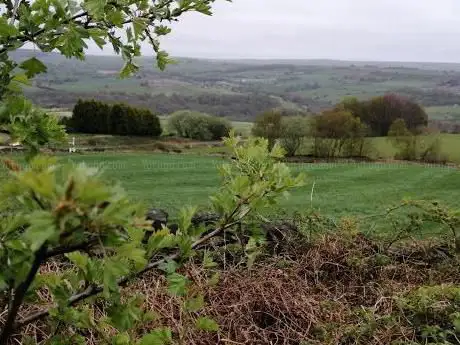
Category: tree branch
[19,294]
[94,290]
[68,249]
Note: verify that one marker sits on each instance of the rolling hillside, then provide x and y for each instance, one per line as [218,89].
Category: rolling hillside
[240,89]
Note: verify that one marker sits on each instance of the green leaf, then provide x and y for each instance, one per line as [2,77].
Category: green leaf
[80,260]
[21,78]
[185,218]
[112,271]
[162,30]
[7,29]
[95,7]
[203,8]
[139,25]
[133,253]
[115,17]
[124,316]
[98,37]
[159,336]
[208,262]
[163,59]
[206,324]
[33,66]
[41,229]
[121,339]
[214,279]
[128,69]
[194,304]
[159,240]
[177,284]
[170,266]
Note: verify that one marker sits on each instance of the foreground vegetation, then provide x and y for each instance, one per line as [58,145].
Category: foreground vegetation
[81,263]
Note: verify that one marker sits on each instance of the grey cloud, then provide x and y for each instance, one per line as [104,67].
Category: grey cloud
[401,30]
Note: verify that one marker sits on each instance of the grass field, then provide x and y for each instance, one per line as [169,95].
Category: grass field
[173,181]
[445,112]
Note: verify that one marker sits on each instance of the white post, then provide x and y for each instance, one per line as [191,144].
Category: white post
[72,148]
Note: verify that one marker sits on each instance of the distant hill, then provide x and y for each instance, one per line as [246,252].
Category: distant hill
[240,89]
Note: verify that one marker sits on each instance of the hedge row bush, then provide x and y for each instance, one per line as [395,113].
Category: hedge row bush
[198,126]
[95,117]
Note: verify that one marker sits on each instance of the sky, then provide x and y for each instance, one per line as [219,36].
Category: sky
[364,30]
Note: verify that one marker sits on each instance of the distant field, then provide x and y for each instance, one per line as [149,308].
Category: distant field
[446,113]
[173,181]
[383,149]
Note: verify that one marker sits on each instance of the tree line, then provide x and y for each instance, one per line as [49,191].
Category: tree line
[346,129]
[90,116]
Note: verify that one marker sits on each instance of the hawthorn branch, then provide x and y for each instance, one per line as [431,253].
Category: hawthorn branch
[86,24]
[19,294]
[93,290]
[68,249]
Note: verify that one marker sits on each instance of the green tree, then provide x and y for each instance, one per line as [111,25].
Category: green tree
[337,132]
[380,112]
[268,125]
[295,129]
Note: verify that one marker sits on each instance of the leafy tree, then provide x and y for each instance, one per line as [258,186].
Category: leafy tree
[295,129]
[380,112]
[268,125]
[67,26]
[337,132]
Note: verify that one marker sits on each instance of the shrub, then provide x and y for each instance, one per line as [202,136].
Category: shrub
[406,142]
[198,126]
[219,127]
[268,125]
[295,129]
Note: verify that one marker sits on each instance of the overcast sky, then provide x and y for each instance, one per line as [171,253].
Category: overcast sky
[396,30]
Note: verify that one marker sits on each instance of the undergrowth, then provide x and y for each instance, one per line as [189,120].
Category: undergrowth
[334,287]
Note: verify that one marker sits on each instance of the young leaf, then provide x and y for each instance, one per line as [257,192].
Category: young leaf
[33,66]
[124,316]
[194,304]
[170,266]
[121,339]
[206,324]
[95,7]
[139,25]
[7,29]
[159,336]
[177,284]
[41,229]
[112,271]
[162,30]
[163,59]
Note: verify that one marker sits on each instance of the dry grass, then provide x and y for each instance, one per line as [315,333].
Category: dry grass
[339,289]
[314,297]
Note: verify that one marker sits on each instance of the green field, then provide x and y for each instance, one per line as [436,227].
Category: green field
[173,181]
[445,112]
